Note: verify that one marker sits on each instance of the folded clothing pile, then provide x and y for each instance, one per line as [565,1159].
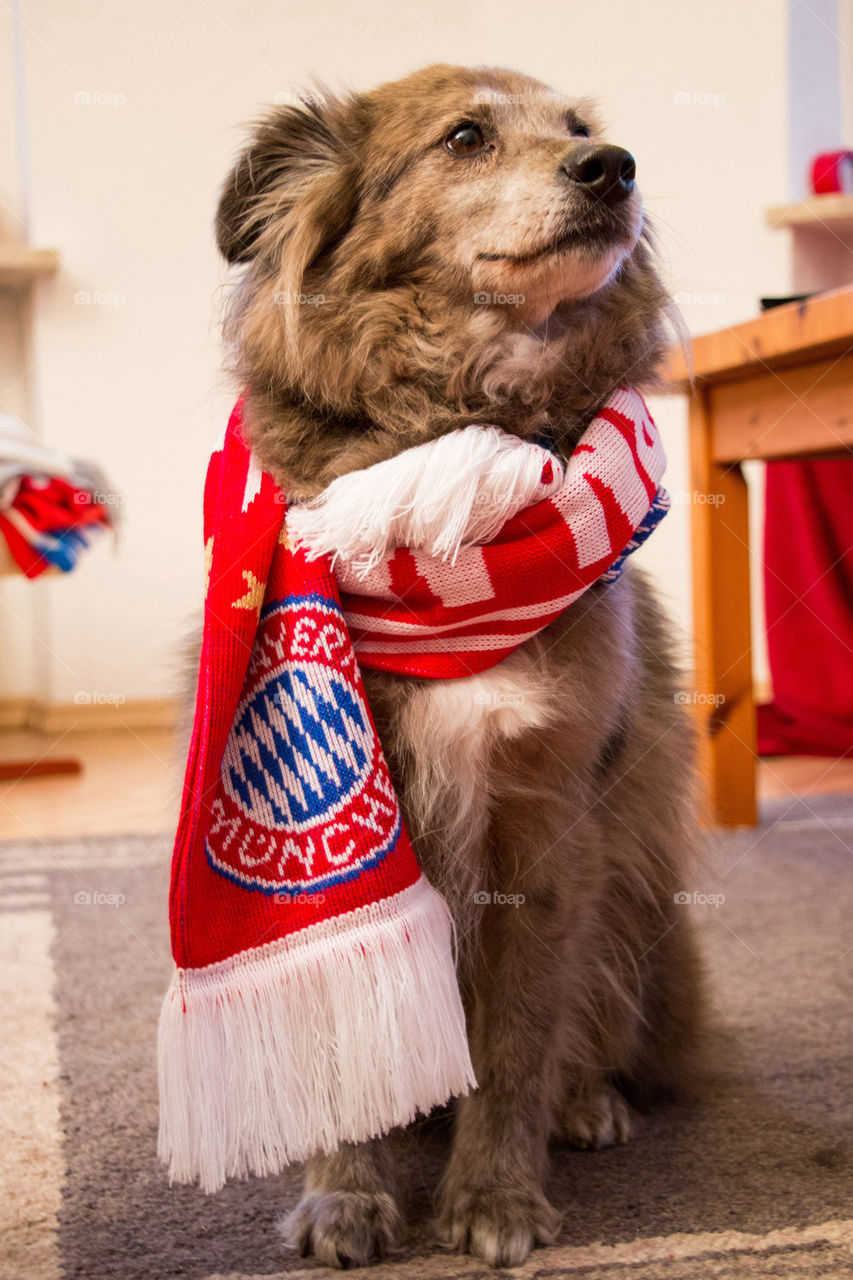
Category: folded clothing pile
[50,505]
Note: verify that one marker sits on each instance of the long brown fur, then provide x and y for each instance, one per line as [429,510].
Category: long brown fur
[562,776]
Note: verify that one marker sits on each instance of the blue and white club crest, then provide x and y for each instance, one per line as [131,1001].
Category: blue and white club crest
[304,798]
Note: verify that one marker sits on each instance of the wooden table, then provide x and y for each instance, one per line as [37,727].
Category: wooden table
[780,386]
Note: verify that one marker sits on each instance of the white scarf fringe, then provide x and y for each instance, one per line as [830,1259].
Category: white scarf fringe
[260,1054]
[458,490]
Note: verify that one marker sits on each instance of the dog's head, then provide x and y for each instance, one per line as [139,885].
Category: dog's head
[505,184]
[421,234]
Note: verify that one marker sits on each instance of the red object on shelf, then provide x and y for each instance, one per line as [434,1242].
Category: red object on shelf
[832,172]
[808,584]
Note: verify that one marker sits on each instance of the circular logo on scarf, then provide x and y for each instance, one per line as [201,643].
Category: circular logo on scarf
[304,797]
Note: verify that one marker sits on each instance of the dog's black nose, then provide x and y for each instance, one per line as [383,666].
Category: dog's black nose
[605,171]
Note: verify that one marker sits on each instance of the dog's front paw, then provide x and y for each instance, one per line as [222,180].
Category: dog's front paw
[598,1119]
[501,1225]
[343,1228]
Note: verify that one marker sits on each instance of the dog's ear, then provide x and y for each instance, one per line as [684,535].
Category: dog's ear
[298,174]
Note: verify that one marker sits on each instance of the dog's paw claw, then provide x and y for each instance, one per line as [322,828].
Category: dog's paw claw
[343,1229]
[500,1225]
[597,1120]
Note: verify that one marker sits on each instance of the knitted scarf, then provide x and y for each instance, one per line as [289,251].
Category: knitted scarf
[314,999]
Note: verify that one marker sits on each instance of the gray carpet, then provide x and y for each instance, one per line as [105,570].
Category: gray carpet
[697,1193]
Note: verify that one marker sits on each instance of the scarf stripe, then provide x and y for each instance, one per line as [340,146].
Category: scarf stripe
[406,615]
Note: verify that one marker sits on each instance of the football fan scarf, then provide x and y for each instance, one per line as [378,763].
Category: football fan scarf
[314,999]
[48,523]
[51,506]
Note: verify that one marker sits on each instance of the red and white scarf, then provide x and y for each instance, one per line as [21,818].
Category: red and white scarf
[314,999]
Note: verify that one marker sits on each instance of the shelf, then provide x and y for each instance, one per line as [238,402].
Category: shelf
[835,212]
[20,265]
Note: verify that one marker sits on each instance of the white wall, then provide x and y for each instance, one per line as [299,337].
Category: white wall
[125,186]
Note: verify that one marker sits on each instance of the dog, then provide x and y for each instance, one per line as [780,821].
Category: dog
[463,246]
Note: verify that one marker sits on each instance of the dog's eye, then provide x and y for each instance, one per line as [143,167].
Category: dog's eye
[576,127]
[465,140]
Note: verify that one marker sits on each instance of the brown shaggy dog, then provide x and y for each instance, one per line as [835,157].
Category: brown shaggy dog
[462,247]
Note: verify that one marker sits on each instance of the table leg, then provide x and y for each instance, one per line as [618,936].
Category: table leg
[723,697]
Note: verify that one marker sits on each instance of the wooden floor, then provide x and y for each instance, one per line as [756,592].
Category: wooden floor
[131,782]
[804,775]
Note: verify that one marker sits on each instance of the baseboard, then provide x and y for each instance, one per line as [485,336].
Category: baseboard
[92,714]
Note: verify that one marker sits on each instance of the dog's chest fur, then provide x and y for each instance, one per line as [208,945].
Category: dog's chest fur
[460,750]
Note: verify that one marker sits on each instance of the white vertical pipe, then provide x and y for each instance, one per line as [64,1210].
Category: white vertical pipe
[814,74]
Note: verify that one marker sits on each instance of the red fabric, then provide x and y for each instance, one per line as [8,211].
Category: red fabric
[21,550]
[808,582]
[46,523]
